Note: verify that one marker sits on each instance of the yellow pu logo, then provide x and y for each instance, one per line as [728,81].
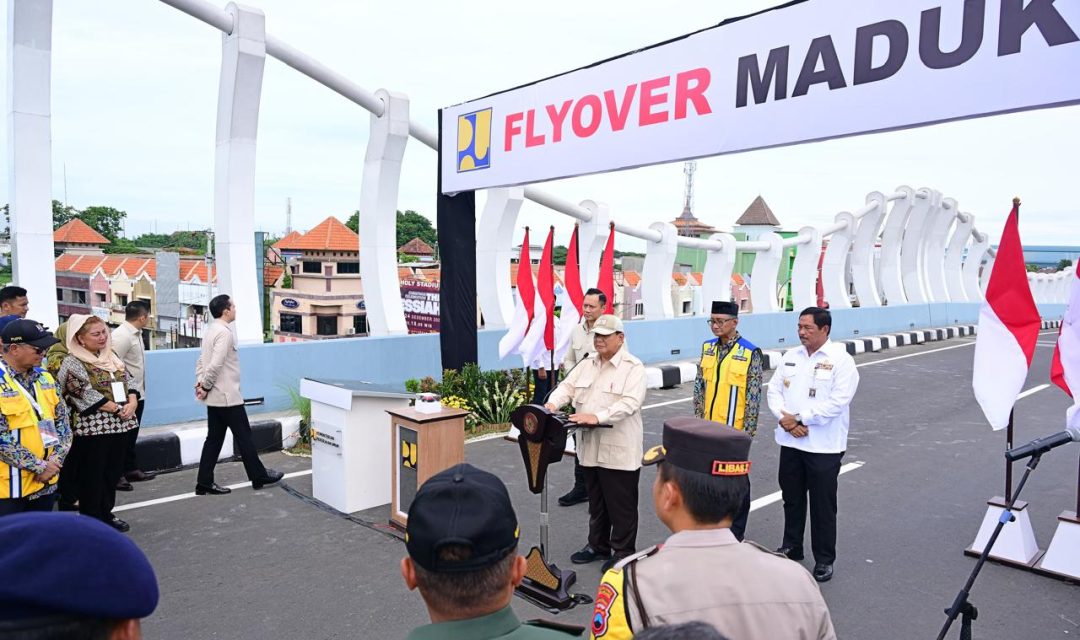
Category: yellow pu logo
[474,141]
[408,454]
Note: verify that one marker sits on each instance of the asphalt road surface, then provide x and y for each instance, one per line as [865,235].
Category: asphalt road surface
[270,564]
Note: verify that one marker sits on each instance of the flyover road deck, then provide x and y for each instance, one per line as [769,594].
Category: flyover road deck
[270,564]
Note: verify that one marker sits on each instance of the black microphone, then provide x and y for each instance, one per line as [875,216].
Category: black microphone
[552,389]
[1042,445]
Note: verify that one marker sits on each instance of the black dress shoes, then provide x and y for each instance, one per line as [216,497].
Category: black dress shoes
[139,475]
[577,495]
[587,555]
[119,525]
[822,572]
[123,485]
[270,478]
[214,489]
[792,553]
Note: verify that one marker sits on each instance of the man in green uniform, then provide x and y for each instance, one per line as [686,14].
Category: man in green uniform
[462,538]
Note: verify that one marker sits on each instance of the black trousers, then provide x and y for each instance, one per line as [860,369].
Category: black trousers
[98,468]
[68,490]
[9,506]
[805,474]
[133,436]
[218,421]
[613,513]
[541,386]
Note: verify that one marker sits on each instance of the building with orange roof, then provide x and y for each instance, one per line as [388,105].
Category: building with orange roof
[325,299]
[77,237]
[417,248]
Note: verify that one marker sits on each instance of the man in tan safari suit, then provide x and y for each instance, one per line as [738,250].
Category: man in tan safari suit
[608,390]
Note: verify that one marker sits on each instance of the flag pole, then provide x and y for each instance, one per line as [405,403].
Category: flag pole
[1009,429]
[551,268]
[1008,463]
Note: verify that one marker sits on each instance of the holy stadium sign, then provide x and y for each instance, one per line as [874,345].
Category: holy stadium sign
[808,70]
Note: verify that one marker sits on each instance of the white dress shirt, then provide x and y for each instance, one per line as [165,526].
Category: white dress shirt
[818,388]
[128,346]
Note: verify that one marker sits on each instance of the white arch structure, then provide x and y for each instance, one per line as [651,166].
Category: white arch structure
[927,249]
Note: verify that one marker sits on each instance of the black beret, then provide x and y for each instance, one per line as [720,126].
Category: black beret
[65,564]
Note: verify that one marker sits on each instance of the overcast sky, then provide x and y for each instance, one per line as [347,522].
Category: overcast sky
[135,89]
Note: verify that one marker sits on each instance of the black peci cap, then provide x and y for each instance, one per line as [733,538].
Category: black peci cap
[461,506]
[726,308]
[704,446]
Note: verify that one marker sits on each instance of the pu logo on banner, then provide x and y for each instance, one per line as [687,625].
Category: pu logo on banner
[474,141]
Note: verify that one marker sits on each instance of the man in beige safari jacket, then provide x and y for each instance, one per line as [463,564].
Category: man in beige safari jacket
[608,390]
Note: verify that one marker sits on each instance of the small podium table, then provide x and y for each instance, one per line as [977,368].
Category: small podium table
[421,445]
[349,468]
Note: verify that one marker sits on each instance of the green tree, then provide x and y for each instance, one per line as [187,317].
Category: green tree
[411,224]
[122,245]
[1064,264]
[558,254]
[107,221]
[62,215]
[404,259]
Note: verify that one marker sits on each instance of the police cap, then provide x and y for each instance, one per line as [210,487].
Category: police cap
[704,446]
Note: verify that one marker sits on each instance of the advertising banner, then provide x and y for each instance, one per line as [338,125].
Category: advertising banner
[805,71]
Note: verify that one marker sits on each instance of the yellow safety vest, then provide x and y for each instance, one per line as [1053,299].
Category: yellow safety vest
[22,420]
[611,619]
[725,381]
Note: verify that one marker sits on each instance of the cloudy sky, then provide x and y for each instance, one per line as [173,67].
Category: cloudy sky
[134,101]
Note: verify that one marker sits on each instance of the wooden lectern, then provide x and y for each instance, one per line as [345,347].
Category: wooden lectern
[421,445]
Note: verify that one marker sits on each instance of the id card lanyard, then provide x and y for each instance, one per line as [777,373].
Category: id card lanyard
[48,434]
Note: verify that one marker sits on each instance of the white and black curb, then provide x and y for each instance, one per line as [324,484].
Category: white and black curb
[164,450]
[664,376]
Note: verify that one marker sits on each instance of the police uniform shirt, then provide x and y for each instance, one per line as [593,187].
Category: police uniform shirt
[818,388]
[501,624]
[707,575]
[613,391]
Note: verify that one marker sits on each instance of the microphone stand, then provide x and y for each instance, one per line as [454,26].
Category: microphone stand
[961,607]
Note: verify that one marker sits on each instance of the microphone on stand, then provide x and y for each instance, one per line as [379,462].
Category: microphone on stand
[1042,445]
[576,365]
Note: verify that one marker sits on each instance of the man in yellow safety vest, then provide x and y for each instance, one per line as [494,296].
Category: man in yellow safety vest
[35,435]
[727,388]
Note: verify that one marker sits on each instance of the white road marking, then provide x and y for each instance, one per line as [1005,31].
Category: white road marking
[765,501]
[185,496]
[1033,390]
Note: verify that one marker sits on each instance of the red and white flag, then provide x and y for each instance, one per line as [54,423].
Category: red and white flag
[572,301]
[1065,367]
[539,339]
[524,306]
[1009,325]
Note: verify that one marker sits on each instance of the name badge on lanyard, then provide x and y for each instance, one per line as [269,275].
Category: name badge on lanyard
[119,396]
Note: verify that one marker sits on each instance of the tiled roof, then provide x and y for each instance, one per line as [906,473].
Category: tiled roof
[132,265]
[699,276]
[404,273]
[737,280]
[288,241]
[758,213]
[78,232]
[679,278]
[330,235]
[431,275]
[633,278]
[417,247]
[535,270]
[271,273]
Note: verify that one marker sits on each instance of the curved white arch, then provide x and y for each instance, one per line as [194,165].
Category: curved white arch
[892,239]
[659,264]
[863,274]
[834,265]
